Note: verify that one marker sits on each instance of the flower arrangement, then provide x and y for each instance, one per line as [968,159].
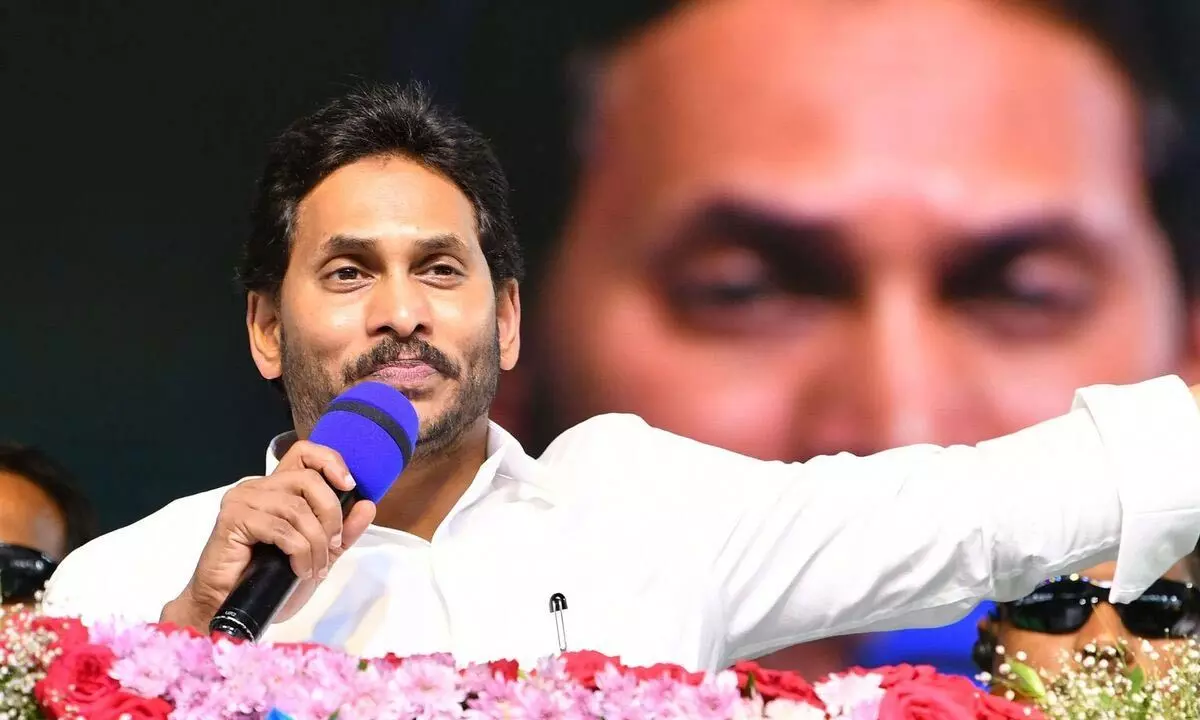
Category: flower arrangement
[56,668]
[1101,683]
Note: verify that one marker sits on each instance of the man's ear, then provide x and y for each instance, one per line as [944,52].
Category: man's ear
[265,331]
[508,323]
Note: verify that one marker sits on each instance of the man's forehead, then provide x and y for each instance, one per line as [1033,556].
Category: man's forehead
[383,200]
[813,97]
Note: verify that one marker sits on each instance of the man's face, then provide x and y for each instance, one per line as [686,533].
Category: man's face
[1103,629]
[805,227]
[30,518]
[387,281]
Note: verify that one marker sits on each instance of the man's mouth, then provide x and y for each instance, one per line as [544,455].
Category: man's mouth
[405,372]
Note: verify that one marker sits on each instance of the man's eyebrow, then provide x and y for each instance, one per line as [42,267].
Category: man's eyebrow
[343,244]
[340,244]
[1029,232]
[442,242]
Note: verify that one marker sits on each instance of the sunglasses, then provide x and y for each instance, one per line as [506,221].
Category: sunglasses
[1168,609]
[23,573]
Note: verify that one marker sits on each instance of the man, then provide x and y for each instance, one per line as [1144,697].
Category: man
[854,226]
[381,250]
[42,518]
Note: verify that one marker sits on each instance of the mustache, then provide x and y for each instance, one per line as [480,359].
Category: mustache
[392,351]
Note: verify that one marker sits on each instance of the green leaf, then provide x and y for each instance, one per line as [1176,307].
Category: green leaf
[1028,682]
[1137,679]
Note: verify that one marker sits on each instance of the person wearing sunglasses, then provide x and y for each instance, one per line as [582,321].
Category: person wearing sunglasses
[43,516]
[1070,616]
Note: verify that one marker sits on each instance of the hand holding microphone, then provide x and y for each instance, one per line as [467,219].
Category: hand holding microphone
[276,537]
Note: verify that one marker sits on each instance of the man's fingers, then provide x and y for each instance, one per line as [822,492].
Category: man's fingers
[265,527]
[356,523]
[295,509]
[324,460]
[324,502]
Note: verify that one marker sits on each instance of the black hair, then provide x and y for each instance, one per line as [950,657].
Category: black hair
[38,468]
[373,121]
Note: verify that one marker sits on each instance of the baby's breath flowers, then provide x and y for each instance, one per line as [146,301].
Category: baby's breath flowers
[1100,683]
[25,653]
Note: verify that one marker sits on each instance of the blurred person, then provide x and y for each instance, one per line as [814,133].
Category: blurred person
[1068,619]
[799,227]
[43,517]
[381,249]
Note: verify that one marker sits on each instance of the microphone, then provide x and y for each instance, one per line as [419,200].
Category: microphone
[374,428]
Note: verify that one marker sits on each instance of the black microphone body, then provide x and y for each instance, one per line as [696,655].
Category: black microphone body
[264,588]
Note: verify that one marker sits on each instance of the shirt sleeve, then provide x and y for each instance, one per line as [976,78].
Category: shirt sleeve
[129,574]
[918,536]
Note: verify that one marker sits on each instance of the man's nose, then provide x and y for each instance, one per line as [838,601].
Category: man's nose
[894,377]
[399,306]
[1103,638]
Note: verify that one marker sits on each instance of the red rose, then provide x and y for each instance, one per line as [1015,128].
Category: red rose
[68,632]
[583,666]
[507,669]
[124,706]
[78,678]
[961,689]
[776,685]
[745,671]
[916,700]
[893,674]
[992,707]
[670,672]
[392,660]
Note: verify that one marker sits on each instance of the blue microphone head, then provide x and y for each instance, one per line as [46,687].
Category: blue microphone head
[374,427]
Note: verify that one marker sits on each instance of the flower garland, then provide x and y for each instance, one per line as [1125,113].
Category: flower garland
[55,668]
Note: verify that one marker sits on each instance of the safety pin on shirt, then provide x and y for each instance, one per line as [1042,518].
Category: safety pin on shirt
[558,603]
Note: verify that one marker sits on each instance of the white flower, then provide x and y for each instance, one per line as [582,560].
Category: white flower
[851,696]
[792,710]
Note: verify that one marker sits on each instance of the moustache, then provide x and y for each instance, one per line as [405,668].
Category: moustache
[390,352]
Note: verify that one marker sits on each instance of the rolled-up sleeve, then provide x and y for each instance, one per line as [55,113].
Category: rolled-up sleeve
[1151,440]
[918,536]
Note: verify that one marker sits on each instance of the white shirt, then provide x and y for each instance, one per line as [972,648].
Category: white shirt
[668,550]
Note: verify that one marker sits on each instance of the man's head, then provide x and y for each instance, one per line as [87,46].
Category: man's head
[382,248]
[1066,620]
[42,513]
[804,226]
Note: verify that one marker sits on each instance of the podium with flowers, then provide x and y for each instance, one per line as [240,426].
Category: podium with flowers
[58,668]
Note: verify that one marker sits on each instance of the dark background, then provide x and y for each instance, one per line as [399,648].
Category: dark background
[133,133]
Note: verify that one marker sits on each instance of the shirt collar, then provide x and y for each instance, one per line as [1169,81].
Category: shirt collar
[505,459]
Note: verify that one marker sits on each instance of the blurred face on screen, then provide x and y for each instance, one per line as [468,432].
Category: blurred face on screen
[804,227]
[386,281]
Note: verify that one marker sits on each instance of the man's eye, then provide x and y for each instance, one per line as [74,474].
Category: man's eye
[347,274]
[737,293]
[1036,295]
[444,269]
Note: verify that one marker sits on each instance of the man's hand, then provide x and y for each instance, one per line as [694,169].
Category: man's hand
[294,509]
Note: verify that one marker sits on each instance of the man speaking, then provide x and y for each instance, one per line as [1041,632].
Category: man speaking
[382,250]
